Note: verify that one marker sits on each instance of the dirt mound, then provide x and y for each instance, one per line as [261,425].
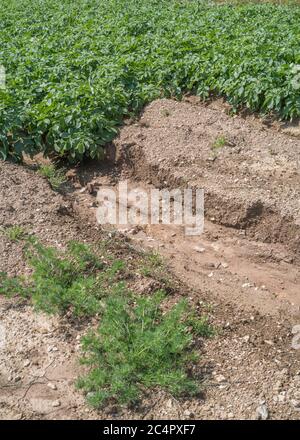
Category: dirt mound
[250,173]
[246,277]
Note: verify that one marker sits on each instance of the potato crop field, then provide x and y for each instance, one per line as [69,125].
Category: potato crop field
[149,213]
[75,69]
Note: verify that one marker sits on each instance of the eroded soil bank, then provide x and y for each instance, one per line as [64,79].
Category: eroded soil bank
[249,171]
[243,271]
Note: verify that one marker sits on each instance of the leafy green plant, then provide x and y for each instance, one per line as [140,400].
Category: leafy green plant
[14,233]
[220,142]
[137,346]
[56,177]
[10,286]
[152,263]
[153,266]
[75,279]
[82,67]
[200,326]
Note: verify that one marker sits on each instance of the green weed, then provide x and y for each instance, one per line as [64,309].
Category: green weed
[200,326]
[138,345]
[135,347]
[151,264]
[56,177]
[14,233]
[74,279]
[220,142]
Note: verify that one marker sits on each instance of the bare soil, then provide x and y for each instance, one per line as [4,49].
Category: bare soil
[245,276]
[252,182]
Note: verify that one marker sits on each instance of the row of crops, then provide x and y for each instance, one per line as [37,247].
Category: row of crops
[75,69]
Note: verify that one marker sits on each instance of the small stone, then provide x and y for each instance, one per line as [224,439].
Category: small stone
[268,342]
[52,386]
[296,404]
[220,378]
[187,413]
[26,363]
[246,338]
[169,403]
[52,348]
[56,403]
[281,397]
[277,386]
[224,265]
[18,416]
[262,412]
[199,249]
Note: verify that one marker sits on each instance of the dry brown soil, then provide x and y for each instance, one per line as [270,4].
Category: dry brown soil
[243,271]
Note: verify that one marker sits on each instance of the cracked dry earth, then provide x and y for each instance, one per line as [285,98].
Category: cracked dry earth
[243,271]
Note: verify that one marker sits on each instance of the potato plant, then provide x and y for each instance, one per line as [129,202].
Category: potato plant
[75,69]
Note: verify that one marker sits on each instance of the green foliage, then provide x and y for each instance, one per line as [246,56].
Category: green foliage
[220,142]
[200,326]
[152,264]
[10,286]
[138,344]
[13,233]
[76,69]
[135,347]
[73,280]
[56,177]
